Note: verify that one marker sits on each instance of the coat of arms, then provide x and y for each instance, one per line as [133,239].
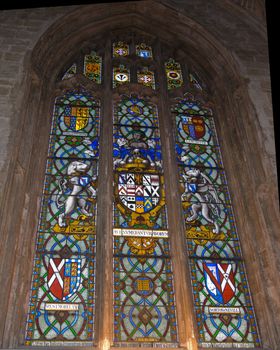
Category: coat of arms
[76,118]
[64,276]
[219,281]
[194,126]
[139,194]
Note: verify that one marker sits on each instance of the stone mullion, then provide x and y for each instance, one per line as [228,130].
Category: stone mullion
[182,284]
[104,247]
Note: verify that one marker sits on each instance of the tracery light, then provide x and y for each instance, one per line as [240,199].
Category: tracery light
[93,67]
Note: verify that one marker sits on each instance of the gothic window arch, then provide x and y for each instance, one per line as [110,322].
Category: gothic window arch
[118,104]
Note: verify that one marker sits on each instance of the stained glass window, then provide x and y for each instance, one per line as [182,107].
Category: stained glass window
[144,303]
[194,81]
[120,48]
[146,77]
[173,74]
[222,300]
[93,67]
[70,72]
[61,309]
[143,50]
[121,75]
[62,302]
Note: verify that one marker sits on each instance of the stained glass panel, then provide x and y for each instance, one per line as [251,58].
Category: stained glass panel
[194,81]
[121,75]
[70,72]
[146,77]
[61,309]
[144,50]
[93,67]
[222,299]
[144,304]
[120,48]
[173,74]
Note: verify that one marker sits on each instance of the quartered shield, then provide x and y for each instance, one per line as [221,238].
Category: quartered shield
[139,192]
[219,281]
[194,126]
[76,118]
[64,276]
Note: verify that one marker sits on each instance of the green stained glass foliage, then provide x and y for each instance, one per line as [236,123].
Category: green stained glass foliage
[61,308]
[144,304]
[93,67]
[173,74]
[146,77]
[223,305]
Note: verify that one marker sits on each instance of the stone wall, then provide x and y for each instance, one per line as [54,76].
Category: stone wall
[19,32]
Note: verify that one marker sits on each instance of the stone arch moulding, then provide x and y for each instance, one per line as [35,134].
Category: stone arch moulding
[230,99]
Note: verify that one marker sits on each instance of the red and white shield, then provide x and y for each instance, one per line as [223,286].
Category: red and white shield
[64,277]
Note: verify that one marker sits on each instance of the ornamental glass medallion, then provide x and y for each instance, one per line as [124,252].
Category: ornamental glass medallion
[144,51]
[222,299]
[61,309]
[121,75]
[173,73]
[120,49]
[146,77]
[144,304]
[93,67]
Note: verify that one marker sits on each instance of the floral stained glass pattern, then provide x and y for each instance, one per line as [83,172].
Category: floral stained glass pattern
[93,67]
[144,305]
[61,309]
[223,304]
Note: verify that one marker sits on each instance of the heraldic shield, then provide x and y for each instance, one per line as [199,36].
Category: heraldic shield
[64,276]
[194,126]
[139,192]
[76,118]
[219,281]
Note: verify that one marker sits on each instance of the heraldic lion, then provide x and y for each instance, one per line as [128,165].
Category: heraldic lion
[78,181]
